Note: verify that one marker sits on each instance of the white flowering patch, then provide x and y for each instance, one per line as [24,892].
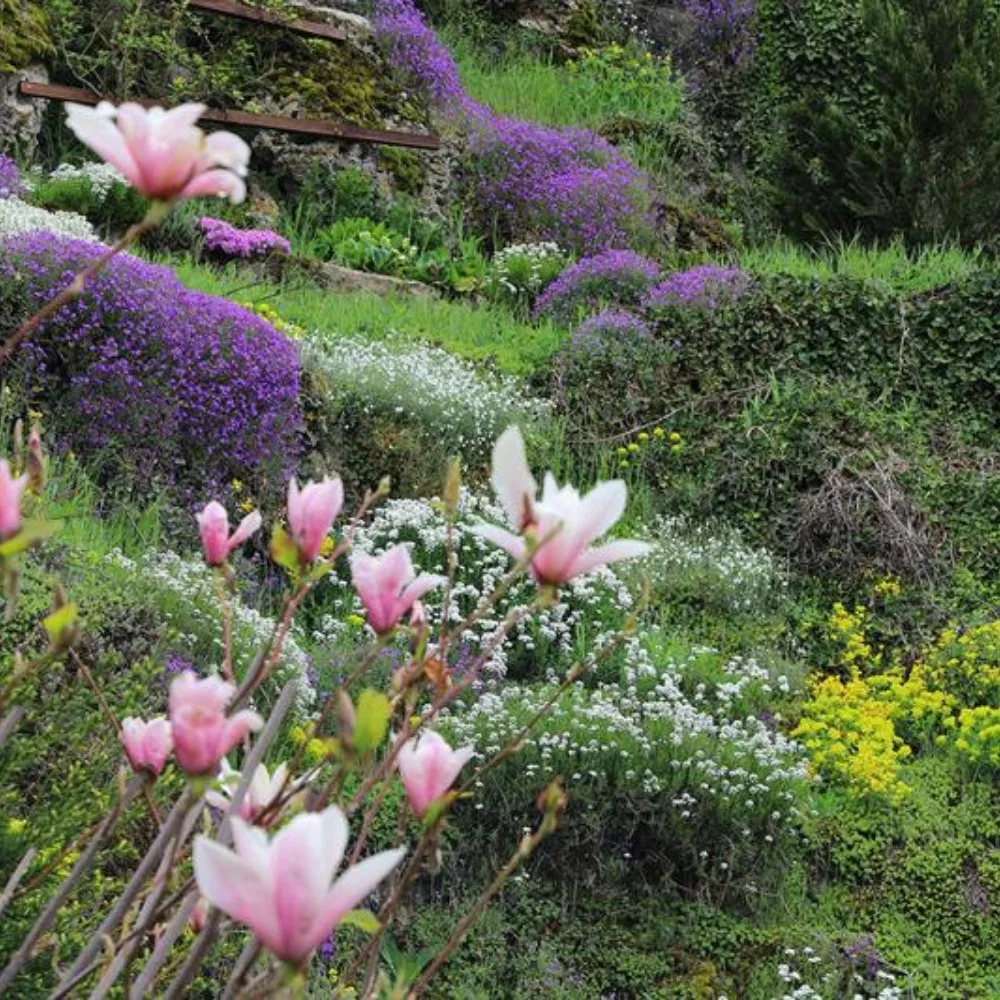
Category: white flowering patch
[189,603]
[524,267]
[714,562]
[448,397]
[101,177]
[17,216]
[807,975]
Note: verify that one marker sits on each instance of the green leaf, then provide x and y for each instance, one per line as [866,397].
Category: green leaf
[364,920]
[284,551]
[30,533]
[371,720]
[60,619]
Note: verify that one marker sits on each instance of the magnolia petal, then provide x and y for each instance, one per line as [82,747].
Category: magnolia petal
[300,876]
[182,116]
[239,726]
[248,526]
[601,508]
[223,149]
[512,480]
[352,887]
[235,887]
[613,552]
[416,589]
[505,539]
[216,183]
[95,129]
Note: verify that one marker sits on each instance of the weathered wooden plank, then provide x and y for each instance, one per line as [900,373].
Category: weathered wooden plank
[275,123]
[232,8]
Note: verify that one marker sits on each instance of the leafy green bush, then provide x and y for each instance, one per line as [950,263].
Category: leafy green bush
[365,246]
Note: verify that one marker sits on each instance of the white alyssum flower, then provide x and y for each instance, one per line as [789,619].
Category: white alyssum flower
[101,177]
[18,216]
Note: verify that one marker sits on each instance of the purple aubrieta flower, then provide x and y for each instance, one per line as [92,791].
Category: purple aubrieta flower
[11,185]
[707,286]
[610,330]
[226,240]
[620,277]
[564,185]
[175,386]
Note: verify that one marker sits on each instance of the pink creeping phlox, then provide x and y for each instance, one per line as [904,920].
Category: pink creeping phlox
[213,526]
[562,524]
[311,513]
[10,501]
[147,743]
[163,154]
[429,767]
[203,734]
[284,890]
[388,587]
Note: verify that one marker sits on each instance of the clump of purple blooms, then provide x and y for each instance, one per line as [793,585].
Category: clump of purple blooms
[166,385]
[11,185]
[707,286]
[225,239]
[608,331]
[612,277]
[723,32]
[526,181]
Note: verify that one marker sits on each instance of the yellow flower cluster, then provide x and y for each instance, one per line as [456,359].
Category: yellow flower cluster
[245,500]
[644,440]
[316,749]
[966,662]
[271,315]
[847,628]
[977,734]
[888,586]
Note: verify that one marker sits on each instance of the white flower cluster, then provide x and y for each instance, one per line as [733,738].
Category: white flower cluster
[587,607]
[17,216]
[189,603]
[518,268]
[804,977]
[717,562]
[101,177]
[446,396]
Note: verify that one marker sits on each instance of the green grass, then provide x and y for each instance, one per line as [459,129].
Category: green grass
[905,271]
[606,85]
[483,333]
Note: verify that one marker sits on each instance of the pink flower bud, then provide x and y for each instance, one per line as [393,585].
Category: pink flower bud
[213,526]
[199,915]
[203,734]
[10,501]
[147,744]
[387,586]
[163,154]
[311,513]
[429,767]
[284,890]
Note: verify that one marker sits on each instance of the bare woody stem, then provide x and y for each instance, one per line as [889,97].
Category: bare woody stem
[46,917]
[157,213]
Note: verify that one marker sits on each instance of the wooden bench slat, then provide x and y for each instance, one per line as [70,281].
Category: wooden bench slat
[275,123]
[232,8]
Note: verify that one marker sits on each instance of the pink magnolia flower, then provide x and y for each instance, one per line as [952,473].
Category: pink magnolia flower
[429,767]
[284,890]
[203,734]
[163,154]
[387,586]
[264,789]
[311,513]
[147,744]
[213,525]
[10,501]
[562,523]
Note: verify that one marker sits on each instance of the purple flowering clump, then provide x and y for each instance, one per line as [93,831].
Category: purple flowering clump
[610,330]
[619,277]
[228,241]
[723,31]
[525,181]
[707,286]
[10,179]
[165,384]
